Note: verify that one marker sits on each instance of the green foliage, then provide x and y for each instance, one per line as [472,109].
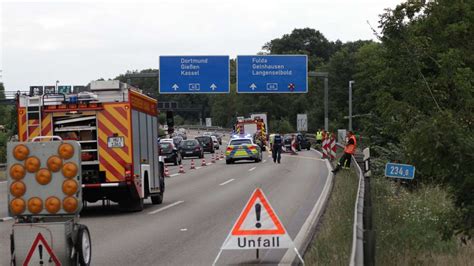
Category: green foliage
[410,224]
[282,126]
[332,242]
[178,120]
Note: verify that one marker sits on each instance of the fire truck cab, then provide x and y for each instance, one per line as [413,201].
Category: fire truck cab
[117,128]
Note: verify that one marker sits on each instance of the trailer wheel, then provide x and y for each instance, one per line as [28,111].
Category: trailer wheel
[83,246]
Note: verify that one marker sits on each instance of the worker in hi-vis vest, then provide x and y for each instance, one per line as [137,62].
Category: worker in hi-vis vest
[319,136]
[349,150]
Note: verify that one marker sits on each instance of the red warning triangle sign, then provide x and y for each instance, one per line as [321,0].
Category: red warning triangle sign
[40,253]
[258,218]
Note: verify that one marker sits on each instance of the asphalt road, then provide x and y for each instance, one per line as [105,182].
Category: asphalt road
[199,209]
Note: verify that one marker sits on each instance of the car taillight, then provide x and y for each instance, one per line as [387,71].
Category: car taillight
[230,148]
[252,147]
[128,172]
[197,149]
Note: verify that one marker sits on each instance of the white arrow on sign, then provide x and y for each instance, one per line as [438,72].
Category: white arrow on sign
[213,86]
[253,86]
[175,86]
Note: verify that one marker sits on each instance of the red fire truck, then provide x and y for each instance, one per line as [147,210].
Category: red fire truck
[117,128]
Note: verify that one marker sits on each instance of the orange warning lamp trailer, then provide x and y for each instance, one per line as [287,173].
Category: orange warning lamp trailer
[45,198]
[117,128]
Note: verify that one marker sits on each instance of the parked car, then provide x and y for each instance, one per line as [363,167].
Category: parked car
[170,153]
[190,148]
[218,136]
[303,142]
[206,143]
[216,142]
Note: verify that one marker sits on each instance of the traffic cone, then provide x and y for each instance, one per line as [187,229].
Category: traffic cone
[193,166]
[222,155]
[203,162]
[181,169]
[217,157]
[167,173]
[213,159]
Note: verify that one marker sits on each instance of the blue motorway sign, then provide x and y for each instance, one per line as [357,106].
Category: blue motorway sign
[272,74]
[396,170]
[194,74]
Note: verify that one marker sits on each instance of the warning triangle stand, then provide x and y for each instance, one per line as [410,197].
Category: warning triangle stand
[258,227]
[41,253]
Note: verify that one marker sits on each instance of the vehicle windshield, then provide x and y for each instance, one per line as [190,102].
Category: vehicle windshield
[189,143]
[240,142]
[166,145]
[204,140]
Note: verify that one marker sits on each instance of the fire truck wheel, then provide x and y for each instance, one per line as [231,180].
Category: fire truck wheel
[157,198]
[131,204]
[83,246]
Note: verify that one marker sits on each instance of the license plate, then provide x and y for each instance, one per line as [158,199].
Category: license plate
[189,152]
[115,142]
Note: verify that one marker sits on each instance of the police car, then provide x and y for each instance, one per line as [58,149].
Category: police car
[242,148]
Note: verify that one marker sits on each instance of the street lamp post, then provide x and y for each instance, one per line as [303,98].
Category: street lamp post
[350,103]
[56,89]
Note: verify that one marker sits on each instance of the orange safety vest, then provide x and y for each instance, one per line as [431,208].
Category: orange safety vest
[350,148]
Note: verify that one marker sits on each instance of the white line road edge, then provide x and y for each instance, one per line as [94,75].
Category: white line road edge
[305,231]
[166,207]
[226,182]
[251,169]
[174,175]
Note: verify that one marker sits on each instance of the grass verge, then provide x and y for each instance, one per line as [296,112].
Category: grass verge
[409,226]
[332,241]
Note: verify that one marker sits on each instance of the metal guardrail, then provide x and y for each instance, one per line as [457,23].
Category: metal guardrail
[357,254]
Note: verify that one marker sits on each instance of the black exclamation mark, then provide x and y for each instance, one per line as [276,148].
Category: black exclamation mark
[258,207]
[40,249]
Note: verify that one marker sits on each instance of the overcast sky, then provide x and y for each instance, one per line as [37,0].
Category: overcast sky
[76,42]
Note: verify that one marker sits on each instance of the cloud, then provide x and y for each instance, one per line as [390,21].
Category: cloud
[79,42]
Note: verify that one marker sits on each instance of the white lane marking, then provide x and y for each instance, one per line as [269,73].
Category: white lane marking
[199,167]
[183,229]
[226,182]
[166,207]
[174,175]
[264,161]
[4,219]
[251,169]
